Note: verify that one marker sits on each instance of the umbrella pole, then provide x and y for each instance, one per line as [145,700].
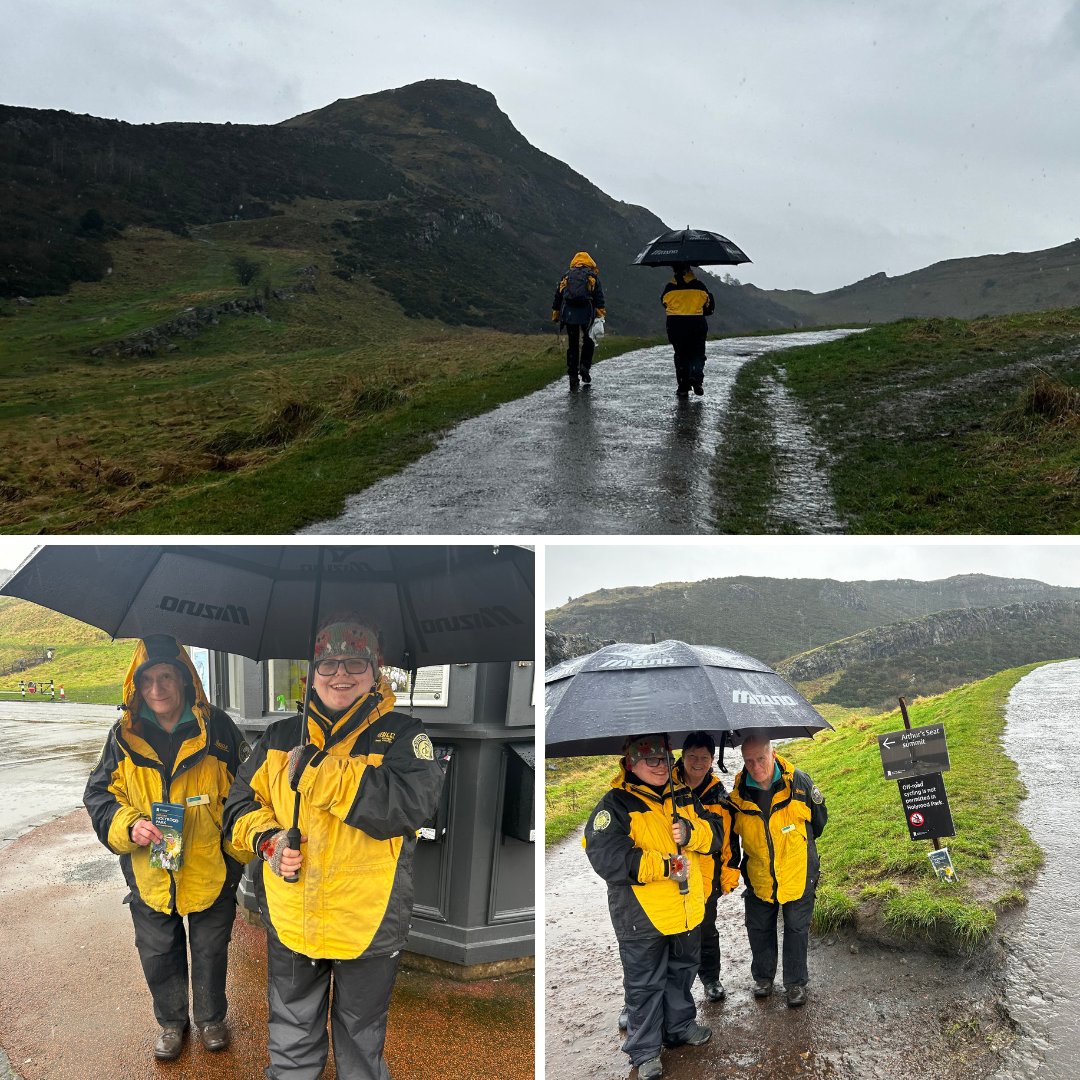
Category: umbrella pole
[292,837]
[684,886]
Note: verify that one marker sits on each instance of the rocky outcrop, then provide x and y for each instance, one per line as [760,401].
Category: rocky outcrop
[559,647]
[941,629]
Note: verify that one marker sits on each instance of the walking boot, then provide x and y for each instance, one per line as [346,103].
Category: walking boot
[170,1042]
[682,393]
[695,1035]
[651,1069]
[796,996]
[699,389]
[715,991]
[762,988]
[624,1020]
[586,376]
[215,1036]
[573,382]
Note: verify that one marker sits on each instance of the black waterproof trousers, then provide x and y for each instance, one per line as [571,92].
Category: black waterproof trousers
[761,930]
[163,952]
[658,974]
[298,990]
[709,968]
[579,350]
[687,334]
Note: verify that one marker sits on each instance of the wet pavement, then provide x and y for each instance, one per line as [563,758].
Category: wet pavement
[623,457]
[1042,973]
[873,1011]
[73,1002]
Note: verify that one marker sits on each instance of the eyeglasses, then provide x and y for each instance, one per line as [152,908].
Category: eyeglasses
[355,665]
[654,761]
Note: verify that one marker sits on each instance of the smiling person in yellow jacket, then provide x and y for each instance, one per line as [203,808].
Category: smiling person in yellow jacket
[780,812]
[367,779]
[633,843]
[172,746]
[720,871]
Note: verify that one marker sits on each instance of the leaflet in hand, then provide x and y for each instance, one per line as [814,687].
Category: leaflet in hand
[168,852]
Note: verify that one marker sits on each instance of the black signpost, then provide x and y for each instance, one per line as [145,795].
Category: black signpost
[915,758]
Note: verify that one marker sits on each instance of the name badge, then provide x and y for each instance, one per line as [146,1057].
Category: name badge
[787,828]
[197,800]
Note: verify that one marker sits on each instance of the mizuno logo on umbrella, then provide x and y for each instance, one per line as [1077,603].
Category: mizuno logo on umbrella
[233,613]
[470,620]
[744,697]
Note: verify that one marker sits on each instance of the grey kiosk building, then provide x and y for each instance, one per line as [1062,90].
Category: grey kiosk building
[474,869]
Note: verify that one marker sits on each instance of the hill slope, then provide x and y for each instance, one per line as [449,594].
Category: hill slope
[451,211]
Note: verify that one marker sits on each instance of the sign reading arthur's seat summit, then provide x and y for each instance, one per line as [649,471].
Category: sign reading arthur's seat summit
[918,752]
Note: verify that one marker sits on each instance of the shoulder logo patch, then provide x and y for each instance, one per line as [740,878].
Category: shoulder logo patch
[245,751]
[815,794]
[422,748]
[385,736]
[601,821]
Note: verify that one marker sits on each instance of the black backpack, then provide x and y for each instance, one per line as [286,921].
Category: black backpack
[578,286]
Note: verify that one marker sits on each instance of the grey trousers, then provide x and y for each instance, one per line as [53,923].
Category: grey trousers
[298,990]
[658,976]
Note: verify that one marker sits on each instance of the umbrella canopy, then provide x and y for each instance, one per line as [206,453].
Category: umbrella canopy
[694,246]
[593,702]
[432,604]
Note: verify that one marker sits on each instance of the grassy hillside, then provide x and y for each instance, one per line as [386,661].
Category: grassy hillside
[86,661]
[873,875]
[258,423]
[928,426]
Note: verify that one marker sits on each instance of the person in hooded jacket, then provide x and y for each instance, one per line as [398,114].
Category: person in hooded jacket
[656,896]
[171,746]
[367,780]
[780,813]
[578,300]
[687,302]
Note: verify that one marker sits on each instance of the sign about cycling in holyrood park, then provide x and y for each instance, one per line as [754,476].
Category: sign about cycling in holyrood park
[916,752]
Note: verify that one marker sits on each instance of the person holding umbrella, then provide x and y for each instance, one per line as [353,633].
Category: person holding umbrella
[578,300]
[720,872]
[171,746]
[645,838]
[687,302]
[338,900]
[780,812]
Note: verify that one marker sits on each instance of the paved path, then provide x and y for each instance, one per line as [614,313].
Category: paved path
[625,457]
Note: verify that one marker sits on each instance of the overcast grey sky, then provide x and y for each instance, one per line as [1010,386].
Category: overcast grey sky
[573,570]
[831,140]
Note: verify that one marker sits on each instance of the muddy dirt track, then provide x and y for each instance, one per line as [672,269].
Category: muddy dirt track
[872,1012]
[623,457]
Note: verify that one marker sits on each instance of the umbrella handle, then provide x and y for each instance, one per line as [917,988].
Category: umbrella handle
[684,886]
[292,840]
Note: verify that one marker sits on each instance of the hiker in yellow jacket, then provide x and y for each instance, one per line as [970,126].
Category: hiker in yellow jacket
[367,780]
[171,746]
[656,897]
[780,812]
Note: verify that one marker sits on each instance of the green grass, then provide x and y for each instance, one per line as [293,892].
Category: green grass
[256,425]
[933,426]
[871,872]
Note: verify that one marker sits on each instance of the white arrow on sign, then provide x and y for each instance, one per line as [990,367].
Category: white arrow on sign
[887,743]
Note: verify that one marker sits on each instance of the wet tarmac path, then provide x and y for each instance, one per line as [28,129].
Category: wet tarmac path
[624,457]
[1042,973]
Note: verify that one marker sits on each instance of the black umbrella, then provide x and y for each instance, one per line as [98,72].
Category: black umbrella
[592,703]
[432,605]
[696,247]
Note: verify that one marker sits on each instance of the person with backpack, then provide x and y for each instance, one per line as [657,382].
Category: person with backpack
[687,302]
[579,299]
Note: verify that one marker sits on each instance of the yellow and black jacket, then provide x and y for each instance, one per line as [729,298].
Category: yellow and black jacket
[628,841]
[130,776]
[572,313]
[370,783]
[720,871]
[779,849]
[684,295]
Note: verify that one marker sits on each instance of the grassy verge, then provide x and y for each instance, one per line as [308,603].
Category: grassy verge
[259,423]
[93,674]
[873,876]
[936,425]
